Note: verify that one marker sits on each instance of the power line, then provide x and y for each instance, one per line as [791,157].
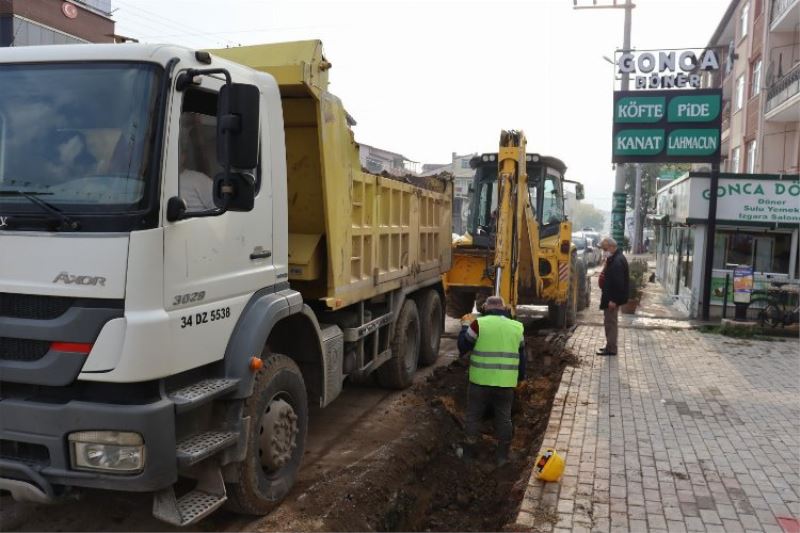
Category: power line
[151,18]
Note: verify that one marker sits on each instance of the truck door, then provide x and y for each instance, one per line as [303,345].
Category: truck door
[214,261]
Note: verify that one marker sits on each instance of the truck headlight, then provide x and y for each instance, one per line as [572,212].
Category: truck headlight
[107,451]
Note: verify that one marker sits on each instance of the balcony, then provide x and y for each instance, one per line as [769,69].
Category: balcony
[784,15]
[783,98]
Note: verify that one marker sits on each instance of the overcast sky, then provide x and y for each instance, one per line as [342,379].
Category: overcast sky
[433,77]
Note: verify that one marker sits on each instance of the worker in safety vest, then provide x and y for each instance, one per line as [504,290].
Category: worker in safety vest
[496,366]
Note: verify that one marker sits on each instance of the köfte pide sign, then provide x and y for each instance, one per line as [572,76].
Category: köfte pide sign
[661,126]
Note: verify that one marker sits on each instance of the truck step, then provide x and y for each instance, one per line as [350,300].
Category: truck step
[202,445]
[207,497]
[201,392]
[191,507]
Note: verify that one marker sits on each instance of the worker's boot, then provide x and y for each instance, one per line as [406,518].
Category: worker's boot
[502,454]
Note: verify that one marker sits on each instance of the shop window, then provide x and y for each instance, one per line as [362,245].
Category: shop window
[720,247]
[740,250]
[762,250]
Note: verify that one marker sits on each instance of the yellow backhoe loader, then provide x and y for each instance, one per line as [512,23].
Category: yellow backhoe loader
[518,244]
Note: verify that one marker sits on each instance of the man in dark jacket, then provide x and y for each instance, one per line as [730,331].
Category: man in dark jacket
[615,287]
[496,346]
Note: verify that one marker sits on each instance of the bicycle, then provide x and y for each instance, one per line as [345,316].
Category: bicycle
[778,311]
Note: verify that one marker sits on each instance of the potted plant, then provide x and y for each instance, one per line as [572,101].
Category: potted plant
[637,271]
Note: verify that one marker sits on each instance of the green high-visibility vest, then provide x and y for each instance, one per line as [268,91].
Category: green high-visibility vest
[495,358]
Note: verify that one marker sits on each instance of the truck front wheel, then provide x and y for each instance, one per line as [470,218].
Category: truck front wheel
[278,411]
[398,372]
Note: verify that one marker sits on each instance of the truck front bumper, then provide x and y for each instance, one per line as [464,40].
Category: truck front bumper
[35,453]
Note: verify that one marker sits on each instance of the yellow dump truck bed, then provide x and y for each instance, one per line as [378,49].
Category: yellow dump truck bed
[352,235]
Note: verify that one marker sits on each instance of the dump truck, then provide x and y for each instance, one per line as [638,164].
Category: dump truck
[519,241]
[191,255]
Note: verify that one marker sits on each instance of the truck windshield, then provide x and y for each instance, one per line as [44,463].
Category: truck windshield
[77,135]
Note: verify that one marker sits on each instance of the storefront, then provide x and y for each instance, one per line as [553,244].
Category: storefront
[758,219]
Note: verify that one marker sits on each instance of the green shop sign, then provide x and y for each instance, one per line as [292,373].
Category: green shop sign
[687,142]
[700,108]
[639,142]
[646,109]
[667,126]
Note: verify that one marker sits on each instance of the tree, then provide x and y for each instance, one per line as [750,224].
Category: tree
[650,174]
[587,215]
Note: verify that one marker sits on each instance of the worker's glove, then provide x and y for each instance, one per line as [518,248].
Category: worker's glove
[466,320]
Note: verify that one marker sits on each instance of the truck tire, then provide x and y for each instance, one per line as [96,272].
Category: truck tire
[557,315]
[431,326]
[278,411]
[459,303]
[398,372]
[571,317]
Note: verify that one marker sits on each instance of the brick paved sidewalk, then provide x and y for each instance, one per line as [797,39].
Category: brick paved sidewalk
[681,431]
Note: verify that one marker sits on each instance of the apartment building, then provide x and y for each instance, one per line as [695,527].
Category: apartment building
[39,22]
[760,80]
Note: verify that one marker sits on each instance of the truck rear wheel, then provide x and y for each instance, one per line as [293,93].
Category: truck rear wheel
[278,411]
[398,372]
[431,326]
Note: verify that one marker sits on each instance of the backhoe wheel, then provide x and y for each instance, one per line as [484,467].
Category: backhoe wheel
[557,315]
[571,317]
[398,372]
[459,303]
[278,411]
[431,326]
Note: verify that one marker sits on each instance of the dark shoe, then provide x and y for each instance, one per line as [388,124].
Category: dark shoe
[601,351]
[605,352]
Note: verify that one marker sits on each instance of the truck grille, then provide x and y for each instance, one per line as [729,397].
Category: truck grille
[22,349]
[33,306]
[25,452]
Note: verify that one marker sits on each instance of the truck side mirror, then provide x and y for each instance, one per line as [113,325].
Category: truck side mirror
[237,125]
[237,146]
[579,193]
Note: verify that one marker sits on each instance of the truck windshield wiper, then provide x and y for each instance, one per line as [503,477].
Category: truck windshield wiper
[67,223]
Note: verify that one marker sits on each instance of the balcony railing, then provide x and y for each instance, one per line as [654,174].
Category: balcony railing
[779,7]
[784,88]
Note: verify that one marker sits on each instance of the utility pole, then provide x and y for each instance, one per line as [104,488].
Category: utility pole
[619,199]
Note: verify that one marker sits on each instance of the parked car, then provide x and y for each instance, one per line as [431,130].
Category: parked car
[594,235]
[583,266]
[594,255]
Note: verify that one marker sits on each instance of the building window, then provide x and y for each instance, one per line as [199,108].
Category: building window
[765,252]
[465,163]
[743,20]
[756,78]
[739,103]
[734,161]
[751,157]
